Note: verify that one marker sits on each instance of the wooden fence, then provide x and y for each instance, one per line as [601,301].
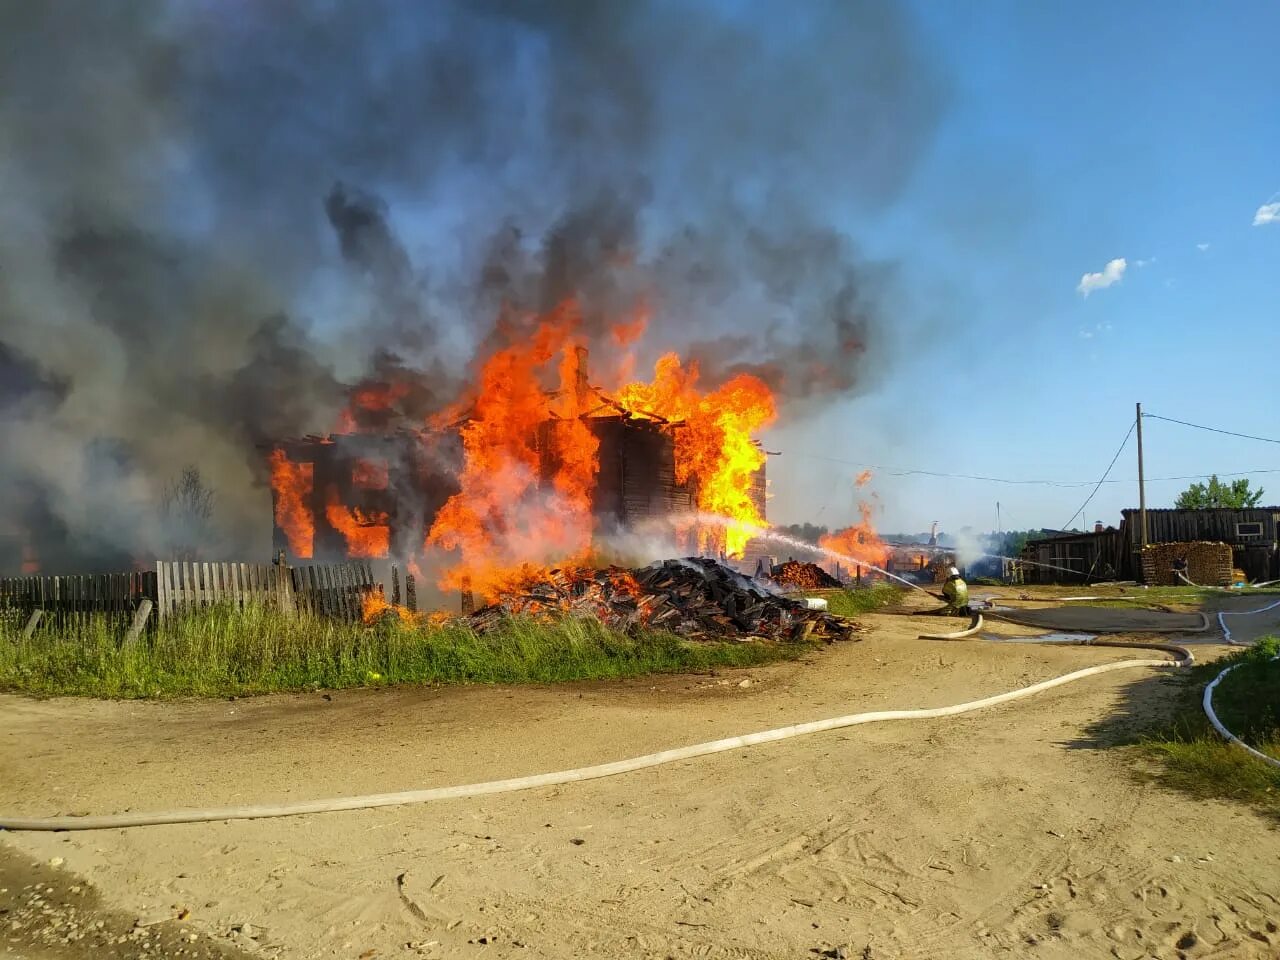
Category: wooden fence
[329,590]
[334,590]
[70,601]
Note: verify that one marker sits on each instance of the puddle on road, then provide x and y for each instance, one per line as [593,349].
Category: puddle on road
[1045,638]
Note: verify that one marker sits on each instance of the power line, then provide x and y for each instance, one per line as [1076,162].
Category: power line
[1199,476]
[1198,426]
[913,472]
[1119,450]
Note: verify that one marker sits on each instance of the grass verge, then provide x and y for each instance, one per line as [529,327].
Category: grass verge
[227,652]
[854,601]
[1199,598]
[1190,755]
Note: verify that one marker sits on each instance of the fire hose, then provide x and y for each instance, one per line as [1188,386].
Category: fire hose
[1207,703]
[975,625]
[1253,586]
[595,772]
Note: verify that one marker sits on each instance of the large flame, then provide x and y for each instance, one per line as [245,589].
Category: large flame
[292,485]
[531,458]
[715,445]
[368,533]
[860,541]
[505,522]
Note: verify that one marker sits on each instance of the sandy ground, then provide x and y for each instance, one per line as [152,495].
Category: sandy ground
[1009,832]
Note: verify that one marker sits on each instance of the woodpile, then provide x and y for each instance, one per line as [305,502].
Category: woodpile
[803,576]
[696,598]
[1208,564]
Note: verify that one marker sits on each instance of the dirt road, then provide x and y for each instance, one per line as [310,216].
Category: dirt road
[1008,832]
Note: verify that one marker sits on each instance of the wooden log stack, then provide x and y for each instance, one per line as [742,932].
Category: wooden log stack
[1208,563]
[696,598]
[799,575]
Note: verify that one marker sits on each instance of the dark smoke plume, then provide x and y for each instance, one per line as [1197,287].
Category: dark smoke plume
[221,216]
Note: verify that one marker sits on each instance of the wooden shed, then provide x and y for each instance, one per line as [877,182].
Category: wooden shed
[1251,533]
[1074,557]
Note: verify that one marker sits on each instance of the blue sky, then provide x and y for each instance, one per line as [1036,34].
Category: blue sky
[1075,135]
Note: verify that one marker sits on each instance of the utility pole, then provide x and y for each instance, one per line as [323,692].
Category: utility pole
[997,516]
[1142,486]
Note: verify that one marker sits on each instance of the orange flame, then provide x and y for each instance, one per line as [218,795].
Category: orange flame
[374,605]
[505,520]
[531,459]
[714,440]
[859,541]
[368,534]
[370,402]
[292,484]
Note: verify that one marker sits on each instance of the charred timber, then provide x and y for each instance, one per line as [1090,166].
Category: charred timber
[695,598]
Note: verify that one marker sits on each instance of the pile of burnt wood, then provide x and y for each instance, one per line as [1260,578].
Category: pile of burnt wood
[696,598]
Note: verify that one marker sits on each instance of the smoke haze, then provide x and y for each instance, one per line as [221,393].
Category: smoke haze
[219,216]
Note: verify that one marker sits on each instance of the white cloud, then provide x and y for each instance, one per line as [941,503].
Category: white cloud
[1110,274]
[1144,263]
[1202,247]
[1267,213]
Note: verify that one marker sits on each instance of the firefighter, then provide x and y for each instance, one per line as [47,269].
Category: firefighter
[956,592]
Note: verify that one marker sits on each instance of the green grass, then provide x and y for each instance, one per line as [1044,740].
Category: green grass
[854,601]
[1190,755]
[225,652]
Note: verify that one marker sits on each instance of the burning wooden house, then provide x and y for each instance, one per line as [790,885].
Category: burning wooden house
[376,495]
[359,495]
[524,474]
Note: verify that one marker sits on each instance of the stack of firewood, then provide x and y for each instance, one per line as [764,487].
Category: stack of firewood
[803,576]
[1208,563]
[696,598]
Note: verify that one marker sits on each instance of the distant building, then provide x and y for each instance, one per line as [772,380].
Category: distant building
[1075,557]
[1251,533]
[1110,553]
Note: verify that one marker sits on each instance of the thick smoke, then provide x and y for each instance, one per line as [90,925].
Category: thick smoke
[220,216]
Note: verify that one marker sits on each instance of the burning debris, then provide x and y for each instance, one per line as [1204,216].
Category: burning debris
[696,598]
[803,576]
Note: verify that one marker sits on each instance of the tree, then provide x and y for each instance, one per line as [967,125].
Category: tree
[1235,495]
[186,507]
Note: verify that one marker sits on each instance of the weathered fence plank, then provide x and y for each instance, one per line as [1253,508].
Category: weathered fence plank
[71,602]
[139,622]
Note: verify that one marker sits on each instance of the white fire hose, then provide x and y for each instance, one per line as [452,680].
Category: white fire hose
[592,772]
[1226,631]
[1208,691]
[975,625]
